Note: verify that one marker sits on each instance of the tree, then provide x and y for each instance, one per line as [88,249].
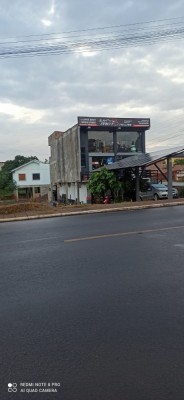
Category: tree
[103,181]
[7,186]
[17,162]
[179,161]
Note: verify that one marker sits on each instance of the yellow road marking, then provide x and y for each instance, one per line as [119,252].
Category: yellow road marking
[122,234]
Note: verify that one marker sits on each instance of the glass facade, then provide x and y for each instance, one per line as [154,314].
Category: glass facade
[100,142]
[128,142]
[100,161]
[100,147]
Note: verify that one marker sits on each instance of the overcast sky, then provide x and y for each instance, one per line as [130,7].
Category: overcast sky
[41,94]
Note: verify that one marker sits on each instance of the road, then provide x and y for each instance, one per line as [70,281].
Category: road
[95,303]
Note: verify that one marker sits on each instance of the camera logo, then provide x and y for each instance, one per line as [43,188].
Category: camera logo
[12,387]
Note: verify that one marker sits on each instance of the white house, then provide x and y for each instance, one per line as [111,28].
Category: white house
[32,180]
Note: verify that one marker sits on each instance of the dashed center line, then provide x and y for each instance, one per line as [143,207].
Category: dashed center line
[108,235]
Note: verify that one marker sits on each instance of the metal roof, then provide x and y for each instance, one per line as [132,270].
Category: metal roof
[145,159]
[24,165]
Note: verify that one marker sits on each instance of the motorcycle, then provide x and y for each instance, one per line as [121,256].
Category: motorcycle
[107,200]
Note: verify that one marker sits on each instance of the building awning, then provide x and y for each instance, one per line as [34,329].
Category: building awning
[143,160]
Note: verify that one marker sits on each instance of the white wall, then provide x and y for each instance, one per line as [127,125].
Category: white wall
[72,190]
[63,190]
[28,170]
[83,193]
[69,190]
[45,174]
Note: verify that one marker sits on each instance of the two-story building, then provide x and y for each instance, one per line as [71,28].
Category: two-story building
[32,180]
[90,144]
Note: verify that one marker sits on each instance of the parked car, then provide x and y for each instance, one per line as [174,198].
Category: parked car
[157,191]
[174,192]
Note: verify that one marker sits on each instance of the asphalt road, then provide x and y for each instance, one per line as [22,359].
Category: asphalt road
[95,303]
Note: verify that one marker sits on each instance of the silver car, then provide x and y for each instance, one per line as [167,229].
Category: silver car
[156,191]
[174,192]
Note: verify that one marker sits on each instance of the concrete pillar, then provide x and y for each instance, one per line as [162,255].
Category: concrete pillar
[50,195]
[78,192]
[16,192]
[137,183]
[33,189]
[169,177]
[143,142]
[90,164]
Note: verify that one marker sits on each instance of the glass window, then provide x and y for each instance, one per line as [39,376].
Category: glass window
[100,161]
[128,142]
[100,142]
[22,177]
[36,177]
[83,157]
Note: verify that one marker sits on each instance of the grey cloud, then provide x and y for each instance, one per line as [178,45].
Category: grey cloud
[21,17]
[67,86]
[81,13]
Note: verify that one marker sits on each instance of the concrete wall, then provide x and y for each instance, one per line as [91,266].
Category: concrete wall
[54,161]
[70,156]
[65,156]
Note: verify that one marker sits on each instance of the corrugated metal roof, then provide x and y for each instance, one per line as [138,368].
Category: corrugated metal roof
[142,160]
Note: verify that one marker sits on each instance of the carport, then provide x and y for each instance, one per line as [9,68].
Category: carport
[139,162]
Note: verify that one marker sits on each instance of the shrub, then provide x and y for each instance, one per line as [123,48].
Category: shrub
[181,192]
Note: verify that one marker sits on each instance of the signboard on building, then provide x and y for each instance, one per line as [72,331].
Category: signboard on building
[114,122]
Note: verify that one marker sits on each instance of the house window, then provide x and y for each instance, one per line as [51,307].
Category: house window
[36,177]
[22,177]
[37,190]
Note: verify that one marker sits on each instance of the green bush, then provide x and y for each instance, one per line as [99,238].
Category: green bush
[6,195]
[181,192]
[103,181]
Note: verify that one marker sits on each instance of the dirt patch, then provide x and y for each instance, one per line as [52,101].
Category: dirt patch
[23,207]
[31,209]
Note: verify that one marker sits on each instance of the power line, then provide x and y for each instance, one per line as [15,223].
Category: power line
[168,127]
[101,28]
[177,134]
[152,142]
[57,38]
[174,130]
[116,40]
[82,47]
